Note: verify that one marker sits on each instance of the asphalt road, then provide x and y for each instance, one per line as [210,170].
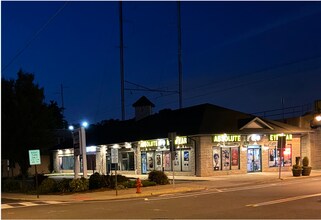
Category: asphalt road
[298,199]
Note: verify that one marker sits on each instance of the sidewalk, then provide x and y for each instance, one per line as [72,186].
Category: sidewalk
[183,184]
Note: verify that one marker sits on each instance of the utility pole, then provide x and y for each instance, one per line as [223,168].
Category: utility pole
[122,88]
[179,52]
[62,99]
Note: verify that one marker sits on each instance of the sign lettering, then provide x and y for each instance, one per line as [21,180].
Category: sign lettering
[274,137]
[226,138]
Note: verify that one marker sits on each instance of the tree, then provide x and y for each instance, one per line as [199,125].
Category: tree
[27,121]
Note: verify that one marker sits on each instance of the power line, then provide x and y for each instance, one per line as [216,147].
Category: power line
[34,36]
[255,72]
[144,88]
[244,84]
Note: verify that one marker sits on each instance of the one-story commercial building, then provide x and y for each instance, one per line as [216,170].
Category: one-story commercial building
[211,140]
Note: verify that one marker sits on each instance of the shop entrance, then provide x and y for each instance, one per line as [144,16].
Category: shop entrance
[254,159]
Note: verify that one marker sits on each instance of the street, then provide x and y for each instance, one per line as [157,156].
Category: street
[296,199]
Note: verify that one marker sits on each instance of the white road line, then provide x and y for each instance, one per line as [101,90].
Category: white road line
[28,203]
[284,200]
[5,206]
[53,202]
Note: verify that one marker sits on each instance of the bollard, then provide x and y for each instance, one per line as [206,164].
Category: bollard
[138,185]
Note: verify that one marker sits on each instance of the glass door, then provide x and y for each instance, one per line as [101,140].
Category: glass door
[254,159]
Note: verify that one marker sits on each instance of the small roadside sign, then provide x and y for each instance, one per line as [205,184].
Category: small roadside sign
[34,157]
[114,155]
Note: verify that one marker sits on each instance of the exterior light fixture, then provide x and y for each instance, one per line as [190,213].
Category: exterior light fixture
[71,128]
[116,146]
[161,142]
[255,137]
[84,124]
[128,145]
[318,118]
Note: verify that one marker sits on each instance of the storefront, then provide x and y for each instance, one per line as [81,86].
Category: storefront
[226,152]
[253,152]
[156,155]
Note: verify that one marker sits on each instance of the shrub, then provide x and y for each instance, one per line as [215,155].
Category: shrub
[158,177]
[96,181]
[305,161]
[121,180]
[40,177]
[10,185]
[78,185]
[48,186]
[131,184]
[148,183]
[63,185]
[105,180]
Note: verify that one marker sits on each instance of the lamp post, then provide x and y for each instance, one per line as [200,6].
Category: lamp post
[79,144]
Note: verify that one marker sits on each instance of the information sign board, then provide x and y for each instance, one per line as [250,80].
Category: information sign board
[34,157]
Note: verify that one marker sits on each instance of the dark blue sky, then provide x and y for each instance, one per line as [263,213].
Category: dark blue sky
[240,55]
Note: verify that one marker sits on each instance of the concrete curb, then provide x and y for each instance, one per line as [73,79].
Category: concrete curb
[190,186]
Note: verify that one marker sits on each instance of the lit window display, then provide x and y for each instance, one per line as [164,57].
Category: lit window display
[226,158]
[161,160]
[286,158]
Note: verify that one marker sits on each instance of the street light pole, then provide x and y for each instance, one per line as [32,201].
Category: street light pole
[79,145]
[83,150]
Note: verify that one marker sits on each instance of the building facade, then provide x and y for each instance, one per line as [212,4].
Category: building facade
[210,141]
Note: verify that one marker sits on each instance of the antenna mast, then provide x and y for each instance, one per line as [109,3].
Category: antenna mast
[179,52]
[122,88]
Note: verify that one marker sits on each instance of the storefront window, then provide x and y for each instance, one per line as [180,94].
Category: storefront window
[216,158]
[150,161]
[91,162]
[167,161]
[128,161]
[67,163]
[161,160]
[286,158]
[235,158]
[226,158]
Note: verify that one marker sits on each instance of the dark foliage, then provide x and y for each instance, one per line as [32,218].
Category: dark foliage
[158,177]
[96,181]
[27,121]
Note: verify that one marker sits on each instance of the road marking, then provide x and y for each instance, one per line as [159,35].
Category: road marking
[28,204]
[283,200]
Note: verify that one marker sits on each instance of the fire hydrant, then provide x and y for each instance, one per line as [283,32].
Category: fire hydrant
[138,185]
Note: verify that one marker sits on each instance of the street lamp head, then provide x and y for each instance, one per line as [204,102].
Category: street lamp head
[71,128]
[318,117]
[84,124]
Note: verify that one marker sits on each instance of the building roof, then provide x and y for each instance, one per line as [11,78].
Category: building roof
[143,101]
[205,119]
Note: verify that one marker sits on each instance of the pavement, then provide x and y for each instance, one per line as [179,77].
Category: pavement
[181,184]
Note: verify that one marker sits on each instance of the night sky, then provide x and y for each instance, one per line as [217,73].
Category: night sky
[245,56]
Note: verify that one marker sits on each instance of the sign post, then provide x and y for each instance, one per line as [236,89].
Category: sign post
[281,146]
[114,160]
[76,144]
[171,139]
[34,159]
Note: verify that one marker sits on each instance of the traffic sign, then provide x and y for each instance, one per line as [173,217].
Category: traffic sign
[34,157]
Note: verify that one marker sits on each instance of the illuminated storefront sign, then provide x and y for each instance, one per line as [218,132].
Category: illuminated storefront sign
[226,138]
[274,137]
[179,140]
[161,142]
[148,143]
